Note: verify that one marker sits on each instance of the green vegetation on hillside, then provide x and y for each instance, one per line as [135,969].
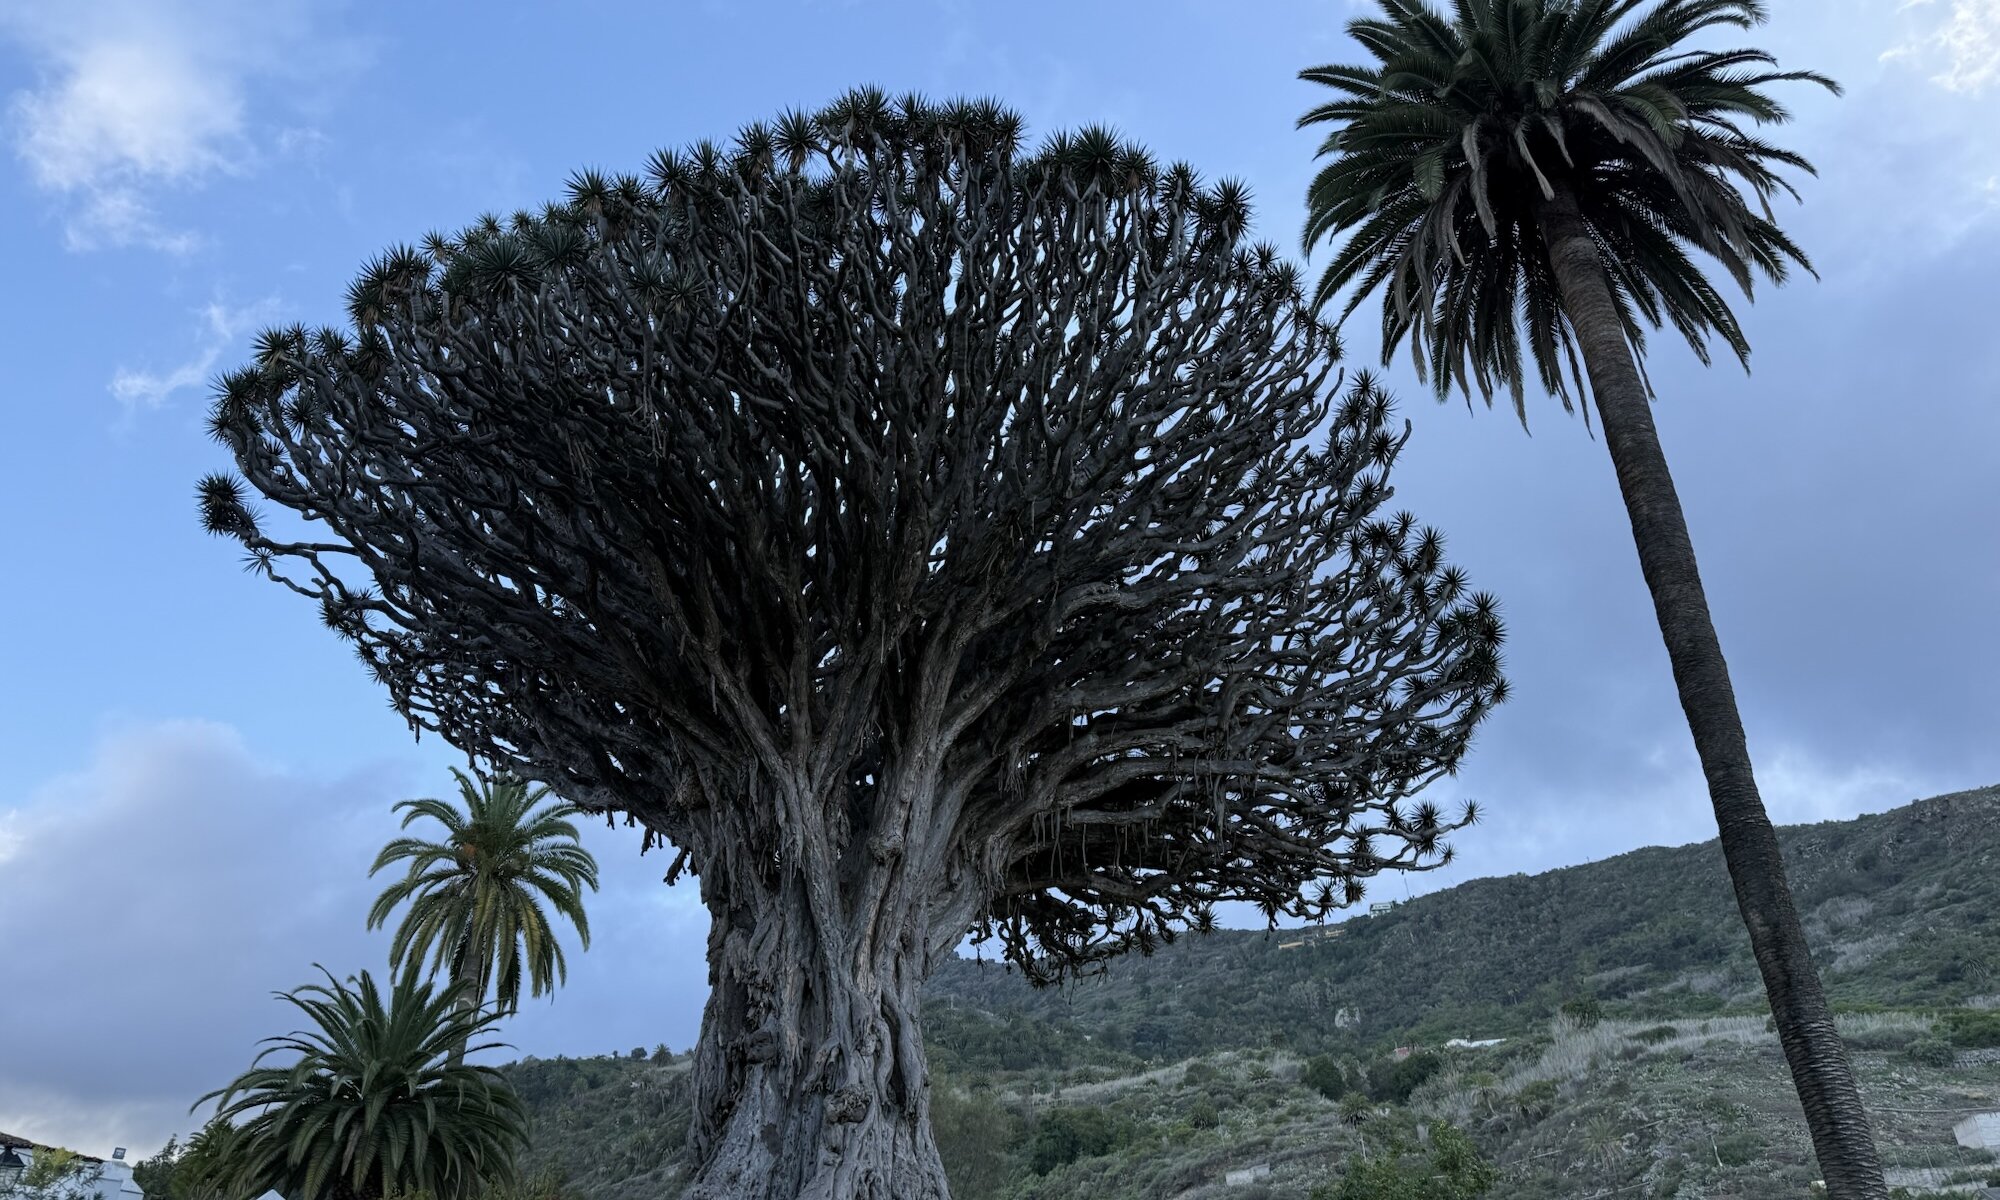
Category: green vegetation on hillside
[1899,908]
[1230,1053]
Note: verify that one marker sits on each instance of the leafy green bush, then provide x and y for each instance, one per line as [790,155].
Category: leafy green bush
[1655,1035]
[1584,1010]
[1931,1052]
[1066,1134]
[1392,1080]
[1973,1028]
[1453,1170]
[1323,1075]
[975,1136]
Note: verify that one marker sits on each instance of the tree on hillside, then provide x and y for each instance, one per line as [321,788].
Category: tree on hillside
[919,535]
[1545,171]
[374,1103]
[480,898]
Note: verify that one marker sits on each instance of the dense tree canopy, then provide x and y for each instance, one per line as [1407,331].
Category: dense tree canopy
[918,532]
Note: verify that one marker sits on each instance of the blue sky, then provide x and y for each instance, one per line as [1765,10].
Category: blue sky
[198,774]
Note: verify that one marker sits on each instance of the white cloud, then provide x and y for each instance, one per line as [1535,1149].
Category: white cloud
[1905,155]
[136,100]
[134,108]
[1538,825]
[152,900]
[1959,46]
[150,903]
[221,326]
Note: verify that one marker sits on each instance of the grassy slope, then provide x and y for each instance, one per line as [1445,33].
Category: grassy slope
[1898,906]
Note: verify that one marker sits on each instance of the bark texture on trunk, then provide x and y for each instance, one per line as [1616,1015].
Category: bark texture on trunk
[810,1080]
[469,980]
[1842,1137]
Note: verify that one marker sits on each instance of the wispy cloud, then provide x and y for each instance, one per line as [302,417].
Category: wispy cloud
[121,116]
[221,326]
[1958,45]
[138,100]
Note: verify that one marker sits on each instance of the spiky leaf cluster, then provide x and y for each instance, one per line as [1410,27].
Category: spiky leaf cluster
[371,1103]
[1449,147]
[876,488]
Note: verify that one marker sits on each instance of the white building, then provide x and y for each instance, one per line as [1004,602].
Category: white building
[94,1178]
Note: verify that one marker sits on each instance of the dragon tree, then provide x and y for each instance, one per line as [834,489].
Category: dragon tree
[918,534]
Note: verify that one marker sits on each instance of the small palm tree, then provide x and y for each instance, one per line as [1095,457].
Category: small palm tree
[1530,182]
[373,1105]
[480,897]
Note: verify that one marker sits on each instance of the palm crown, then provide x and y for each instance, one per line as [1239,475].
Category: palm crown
[481,897]
[1448,152]
[375,1103]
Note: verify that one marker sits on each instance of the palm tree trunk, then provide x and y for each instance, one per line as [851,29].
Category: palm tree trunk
[470,981]
[1842,1137]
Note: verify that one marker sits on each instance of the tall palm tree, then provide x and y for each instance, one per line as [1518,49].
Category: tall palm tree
[1541,173]
[480,897]
[373,1105]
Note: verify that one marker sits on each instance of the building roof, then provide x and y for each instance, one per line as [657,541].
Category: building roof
[10,1141]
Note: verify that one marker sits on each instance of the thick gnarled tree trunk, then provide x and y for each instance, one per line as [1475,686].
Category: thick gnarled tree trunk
[810,1079]
[1842,1137]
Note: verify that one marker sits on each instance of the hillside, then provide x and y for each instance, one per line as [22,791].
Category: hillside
[1163,1075]
[1899,907]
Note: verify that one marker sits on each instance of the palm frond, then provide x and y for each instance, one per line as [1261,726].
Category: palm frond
[1442,156]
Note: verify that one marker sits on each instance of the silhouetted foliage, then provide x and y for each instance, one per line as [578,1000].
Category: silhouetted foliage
[981,525]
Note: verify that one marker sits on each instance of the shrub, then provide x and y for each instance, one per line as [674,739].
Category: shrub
[1537,1100]
[1393,1080]
[1064,1135]
[1931,1052]
[1973,1029]
[1453,1170]
[1889,1037]
[1584,1010]
[1323,1075]
[1655,1035]
[975,1135]
[1202,1114]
